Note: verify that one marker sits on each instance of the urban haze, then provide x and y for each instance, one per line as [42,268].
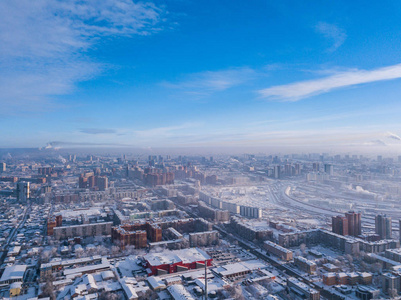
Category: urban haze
[181,149]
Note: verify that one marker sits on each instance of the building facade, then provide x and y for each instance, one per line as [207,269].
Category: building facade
[383,226]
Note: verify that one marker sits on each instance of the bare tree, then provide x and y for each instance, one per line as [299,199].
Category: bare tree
[254,291]
[48,288]
[364,267]
[184,243]
[115,250]
[130,250]
[101,250]
[109,296]
[98,239]
[302,247]
[265,283]
[349,258]
[149,294]
[392,293]
[377,267]
[235,292]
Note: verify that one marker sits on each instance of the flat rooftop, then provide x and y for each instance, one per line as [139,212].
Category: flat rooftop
[13,273]
[170,257]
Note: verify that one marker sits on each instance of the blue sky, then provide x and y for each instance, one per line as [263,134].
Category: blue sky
[178,73]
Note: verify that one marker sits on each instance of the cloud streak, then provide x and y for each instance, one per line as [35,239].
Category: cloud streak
[209,82]
[164,132]
[393,136]
[299,90]
[97,131]
[333,33]
[44,44]
[66,144]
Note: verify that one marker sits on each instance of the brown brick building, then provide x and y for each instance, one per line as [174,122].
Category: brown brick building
[51,223]
[339,225]
[136,234]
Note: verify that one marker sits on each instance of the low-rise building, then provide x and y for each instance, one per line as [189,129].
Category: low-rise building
[13,274]
[203,239]
[238,269]
[136,234]
[390,283]
[277,250]
[365,292]
[59,264]
[176,261]
[329,279]
[83,230]
[305,265]
[250,230]
[301,289]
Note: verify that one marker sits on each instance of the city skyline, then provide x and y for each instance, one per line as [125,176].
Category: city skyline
[211,74]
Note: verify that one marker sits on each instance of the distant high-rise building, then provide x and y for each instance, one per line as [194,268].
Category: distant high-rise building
[45,170]
[383,226]
[399,227]
[339,225]
[277,172]
[83,182]
[316,167]
[297,169]
[59,220]
[379,158]
[354,223]
[91,181]
[46,189]
[329,169]
[288,170]
[23,191]
[3,167]
[102,183]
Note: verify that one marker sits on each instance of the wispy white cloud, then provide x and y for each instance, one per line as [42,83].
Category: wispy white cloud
[332,32]
[299,90]
[208,82]
[374,143]
[43,44]
[393,136]
[68,144]
[98,130]
[164,132]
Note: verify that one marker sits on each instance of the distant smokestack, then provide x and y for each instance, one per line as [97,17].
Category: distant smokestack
[205,279]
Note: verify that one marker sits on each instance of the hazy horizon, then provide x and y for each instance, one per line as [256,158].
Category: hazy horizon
[372,152]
